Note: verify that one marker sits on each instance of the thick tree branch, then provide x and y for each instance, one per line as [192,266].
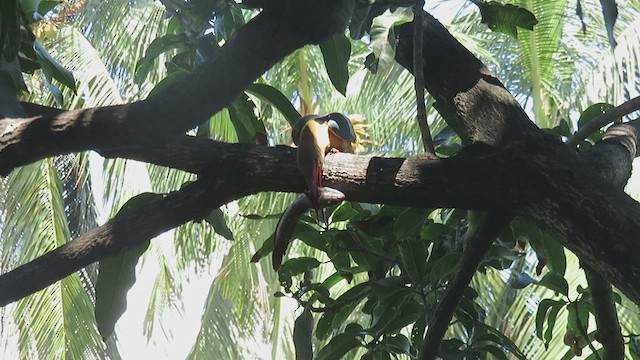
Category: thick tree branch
[612,157]
[604,307]
[193,202]
[257,46]
[240,171]
[462,86]
[479,106]
[480,177]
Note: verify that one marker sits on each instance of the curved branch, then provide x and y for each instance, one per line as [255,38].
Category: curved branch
[609,116]
[477,106]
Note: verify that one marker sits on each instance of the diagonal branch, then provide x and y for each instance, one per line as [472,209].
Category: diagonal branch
[193,202]
[609,116]
[257,46]
[476,246]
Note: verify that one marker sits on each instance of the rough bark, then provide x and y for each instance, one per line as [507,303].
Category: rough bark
[556,188]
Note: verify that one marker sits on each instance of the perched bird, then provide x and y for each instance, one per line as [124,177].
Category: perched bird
[316,136]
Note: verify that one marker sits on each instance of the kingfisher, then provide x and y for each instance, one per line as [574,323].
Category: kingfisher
[316,136]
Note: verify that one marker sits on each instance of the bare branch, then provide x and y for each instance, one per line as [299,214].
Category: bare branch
[476,247]
[421,111]
[609,116]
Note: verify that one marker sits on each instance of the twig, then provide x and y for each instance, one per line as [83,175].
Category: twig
[421,111]
[604,119]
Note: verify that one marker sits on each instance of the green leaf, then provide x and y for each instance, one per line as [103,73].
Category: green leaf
[495,351]
[302,332]
[363,14]
[398,344]
[348,302]
[443,267]
[383,40]
[417,332]
[276,99]
[414,257]
[299,265]
[310,236]
[408,314]
[55,91]
[9,104]
[555,282]
[219,223]
[554,253]
[393,311]
[499,252]
[506,18]
[344,212]
[543,244]
[249,128]
[450,345]
[45,6]
[321,293]
[504,341]
[29,6]
[116,275]
[168,81]
[338,347]
[610,14]
[265,249]
[341,315]
[336,51]
[410,222]
[137,202]
[434,231]
[593,112]
[157,47]
[324,327]
[52,69]
[551,322]
[541,314]
[10,39]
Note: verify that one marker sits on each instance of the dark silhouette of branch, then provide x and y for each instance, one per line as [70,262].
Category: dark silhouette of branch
[608,117]
[185,104]
[609,332]
[476,246]
[617,137]
[421,111]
